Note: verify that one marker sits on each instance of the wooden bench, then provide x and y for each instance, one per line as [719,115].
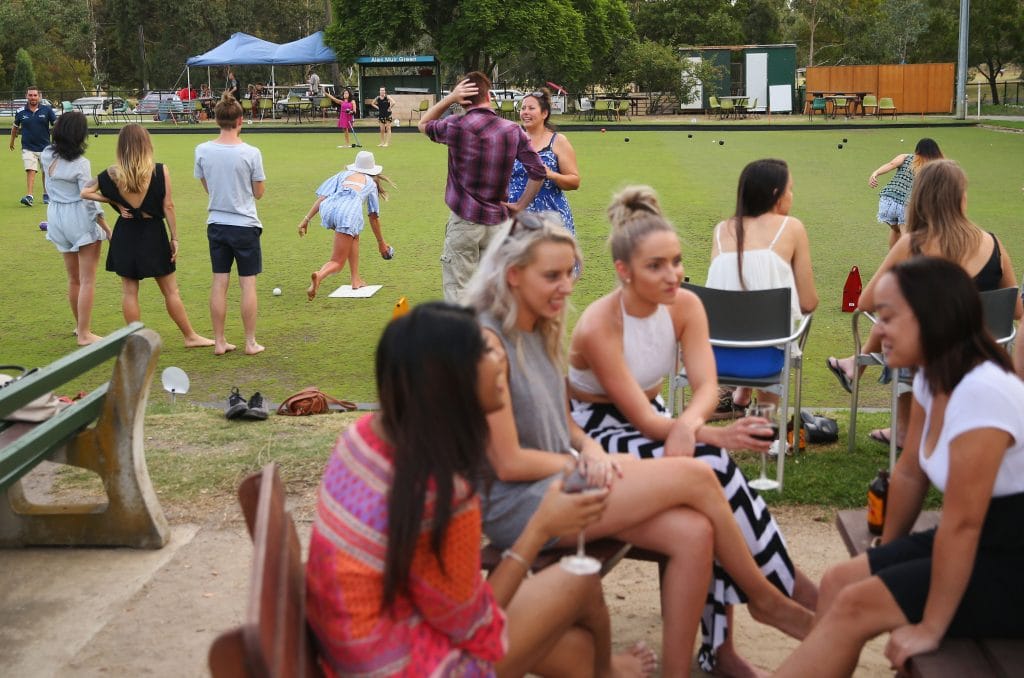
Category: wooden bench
[112,448]
[956,657]
[274,639]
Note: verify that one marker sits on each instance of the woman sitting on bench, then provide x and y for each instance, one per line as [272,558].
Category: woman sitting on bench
[393,577]
[673,505]
[966,437]
[622,348]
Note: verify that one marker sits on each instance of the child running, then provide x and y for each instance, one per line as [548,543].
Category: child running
[339,202]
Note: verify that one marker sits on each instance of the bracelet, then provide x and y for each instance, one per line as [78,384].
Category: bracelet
[509,553]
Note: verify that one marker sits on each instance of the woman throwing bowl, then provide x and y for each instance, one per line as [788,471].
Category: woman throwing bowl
[393,577]
[672,505]
[966,437]
[622,348]
[140,189]
[557,154]
[895,195]
[75,227]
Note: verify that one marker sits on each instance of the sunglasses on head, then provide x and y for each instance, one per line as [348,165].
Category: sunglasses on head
[527,220]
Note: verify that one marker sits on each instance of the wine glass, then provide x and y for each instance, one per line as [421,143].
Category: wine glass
[765,411]
[575,480]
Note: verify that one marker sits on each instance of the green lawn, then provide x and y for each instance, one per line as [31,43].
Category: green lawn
[330,342]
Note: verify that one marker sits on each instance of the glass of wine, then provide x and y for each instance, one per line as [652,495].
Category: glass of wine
[575,480]
[765,411]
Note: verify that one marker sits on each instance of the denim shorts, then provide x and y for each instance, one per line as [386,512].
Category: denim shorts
[229,244]
[891,212]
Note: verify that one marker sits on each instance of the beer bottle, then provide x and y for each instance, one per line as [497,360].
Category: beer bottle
[878,492]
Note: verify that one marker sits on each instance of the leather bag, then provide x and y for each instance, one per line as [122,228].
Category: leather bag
[311,400]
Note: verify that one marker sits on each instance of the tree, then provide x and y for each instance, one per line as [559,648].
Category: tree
[996,37]
[658,70]
[24,74]
[687,22]
[900,24]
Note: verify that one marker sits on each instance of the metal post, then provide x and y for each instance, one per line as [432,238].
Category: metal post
[961,60]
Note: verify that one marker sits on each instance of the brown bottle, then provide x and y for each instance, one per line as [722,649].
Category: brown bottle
[878,492]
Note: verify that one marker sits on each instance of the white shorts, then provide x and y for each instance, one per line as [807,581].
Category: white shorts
[31,160]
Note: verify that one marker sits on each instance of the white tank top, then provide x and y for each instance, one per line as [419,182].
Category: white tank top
[649,347]
[763,269]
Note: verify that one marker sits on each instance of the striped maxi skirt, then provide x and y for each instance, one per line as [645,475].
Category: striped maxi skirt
[606,424]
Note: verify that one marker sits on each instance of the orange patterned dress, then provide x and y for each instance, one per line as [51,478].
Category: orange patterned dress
[449,624]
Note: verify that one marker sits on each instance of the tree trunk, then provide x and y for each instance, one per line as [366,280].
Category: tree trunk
[991,75]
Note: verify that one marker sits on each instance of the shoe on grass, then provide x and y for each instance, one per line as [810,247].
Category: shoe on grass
[236,405]
[46,198]
[27,201]
[257,408]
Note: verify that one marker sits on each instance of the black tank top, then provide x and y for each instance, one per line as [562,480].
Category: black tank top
[992,272]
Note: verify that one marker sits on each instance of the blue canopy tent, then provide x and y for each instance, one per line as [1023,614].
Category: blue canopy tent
[242,49]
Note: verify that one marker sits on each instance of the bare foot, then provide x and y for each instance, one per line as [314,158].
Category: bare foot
[789,617]
[254,348]
[741,397]
[221,349]
[357,283]
[639,661]
[729,663]
[313,287]
[87,338]
[198,341]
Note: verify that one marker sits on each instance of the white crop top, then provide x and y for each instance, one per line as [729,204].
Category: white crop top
[649,346]
[987,397]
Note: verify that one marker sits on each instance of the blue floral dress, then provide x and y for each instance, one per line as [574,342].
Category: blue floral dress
[550,198]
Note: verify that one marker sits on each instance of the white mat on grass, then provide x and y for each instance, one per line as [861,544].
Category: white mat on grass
[346,291]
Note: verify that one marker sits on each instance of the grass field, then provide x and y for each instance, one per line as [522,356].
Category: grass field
[330,342]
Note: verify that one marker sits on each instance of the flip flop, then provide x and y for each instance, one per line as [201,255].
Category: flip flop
[880,436]
[844,381]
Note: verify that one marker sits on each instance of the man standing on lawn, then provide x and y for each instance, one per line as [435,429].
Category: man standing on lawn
[231,172]
[34,122]
[481,150]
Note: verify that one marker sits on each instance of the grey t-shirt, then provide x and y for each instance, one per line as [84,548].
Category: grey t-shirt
[229,171]
[537,390]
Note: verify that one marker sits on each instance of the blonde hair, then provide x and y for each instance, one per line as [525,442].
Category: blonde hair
[379,179]
[935,213]
[135,163]
[488,291]
[634,214]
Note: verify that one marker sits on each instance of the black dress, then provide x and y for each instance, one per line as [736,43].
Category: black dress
[139,247]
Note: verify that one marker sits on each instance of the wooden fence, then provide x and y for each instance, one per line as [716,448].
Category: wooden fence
[914,88]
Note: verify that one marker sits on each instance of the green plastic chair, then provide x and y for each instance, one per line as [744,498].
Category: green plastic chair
[841,104]
[266,106]
[508,109]
[751,105]
[886,107]
[602,108]
[714,108]
[728,108]
[869,101]
[623,109]
[817,106]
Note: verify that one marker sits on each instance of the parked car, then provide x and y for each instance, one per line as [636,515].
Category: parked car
[96,105]
[12,107]
[151,103]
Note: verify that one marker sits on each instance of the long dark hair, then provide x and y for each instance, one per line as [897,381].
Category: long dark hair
[762,183]
[543,97]
[926,150]
[954,338]
[427,384]
[69,135]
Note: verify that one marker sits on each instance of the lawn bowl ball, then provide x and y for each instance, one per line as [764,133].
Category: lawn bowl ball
[721,142]
[390,254]
[627,140]
[277,291]
[689,136]
[43,225]
[840,147]
[844,140]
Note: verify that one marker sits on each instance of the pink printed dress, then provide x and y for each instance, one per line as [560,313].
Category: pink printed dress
[450,623]
[346,113]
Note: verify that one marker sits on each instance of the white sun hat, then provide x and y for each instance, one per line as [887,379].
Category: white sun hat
[366,164]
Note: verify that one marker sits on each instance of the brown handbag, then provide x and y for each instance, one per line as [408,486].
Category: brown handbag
[311,400]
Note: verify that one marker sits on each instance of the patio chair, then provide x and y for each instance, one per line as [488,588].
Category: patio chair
[419,110]
[997,306]
[603,109]
[841,104]
[751,108]
[246,108]
[623,110]
[886,107]
[756,319]
[507,109]
[817,106]
[869,101]
[584,109]
[714,108]
[322,106]
[728,108]
[197,108]
[266,106]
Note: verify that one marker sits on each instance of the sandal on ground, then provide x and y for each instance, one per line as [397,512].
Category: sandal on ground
[833,365]
[879,435]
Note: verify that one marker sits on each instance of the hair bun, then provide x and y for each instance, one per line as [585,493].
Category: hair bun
[632,200]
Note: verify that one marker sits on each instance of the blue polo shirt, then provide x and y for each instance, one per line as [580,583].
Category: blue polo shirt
[35,127]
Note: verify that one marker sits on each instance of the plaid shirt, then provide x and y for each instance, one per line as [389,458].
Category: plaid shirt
[481,150]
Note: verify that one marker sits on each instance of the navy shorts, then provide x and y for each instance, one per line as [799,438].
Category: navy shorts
[230,244]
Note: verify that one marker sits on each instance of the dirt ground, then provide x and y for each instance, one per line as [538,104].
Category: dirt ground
[119,612]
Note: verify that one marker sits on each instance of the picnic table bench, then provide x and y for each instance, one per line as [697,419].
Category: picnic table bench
[956,657]
[112,448]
